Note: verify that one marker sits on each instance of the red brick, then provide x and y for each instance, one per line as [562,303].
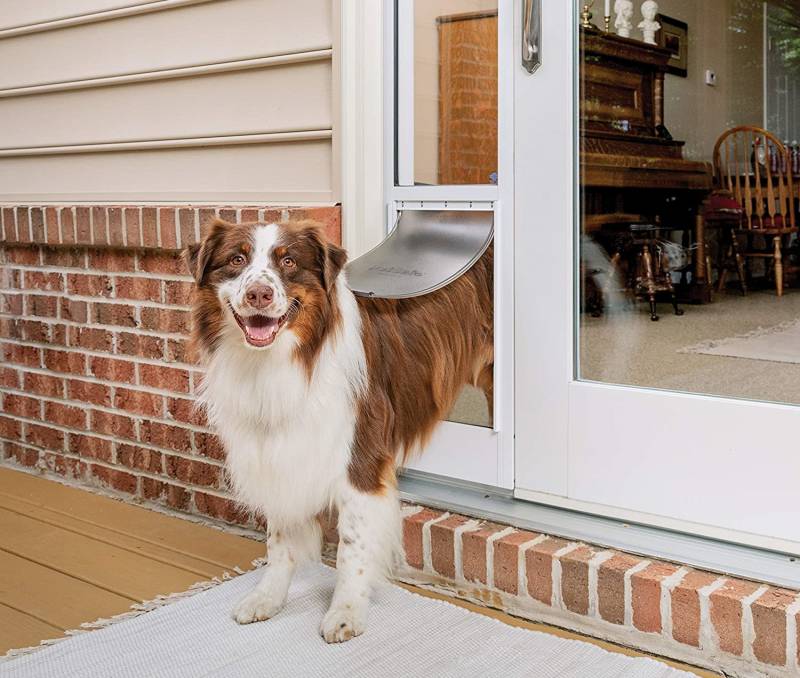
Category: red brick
[473,550]
[539,568]
[228,214]
[162,262]
[575,579]
[11,328]
[88,392]
[140,345]
[114,314]
[51,221]
[115,229]
[119,480]
[22,406]
[178,292]
[83,231]
[67,225]
[10,428]
[769,622]
[23,225]
[139,402]
[22,254]
[11,303]
[22,355]
[166,217]
[140,458]
[65,415]
[65,361]
[86,285]
[68,467]
[249,215]
[646,596]
[412,535]
[207,216]
[208,445]
[43,384]
[169,320]
[89,447]
[36,331]
[132,235]
[77,311]
[42,305]
[166,378]
[99,224]
[9,377]
[149,227]
[25,456]
[91,338]
[174,496]
[144,289]
[166,436]
[725,606]
[10,224]
[506,560]
[184,410]
[111,260]
[177,351]
[44,436]
[686,607]
[328,217]
[112,424]
[43,281]
[443,545]
[193,472]
[112,370]
[186,217]
[37,225]
[219,507]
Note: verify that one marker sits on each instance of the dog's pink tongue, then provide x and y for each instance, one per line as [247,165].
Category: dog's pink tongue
[261,329]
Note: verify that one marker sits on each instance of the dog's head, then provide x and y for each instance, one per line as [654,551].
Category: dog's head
[261,281]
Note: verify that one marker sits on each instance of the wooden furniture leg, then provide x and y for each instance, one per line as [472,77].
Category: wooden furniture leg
[649,280]
[700,291]
[738,259]
[778,266]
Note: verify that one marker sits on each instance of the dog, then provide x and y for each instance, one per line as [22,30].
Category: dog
[319,396]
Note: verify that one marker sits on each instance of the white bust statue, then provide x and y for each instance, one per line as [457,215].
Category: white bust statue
[649,26]
[624,11]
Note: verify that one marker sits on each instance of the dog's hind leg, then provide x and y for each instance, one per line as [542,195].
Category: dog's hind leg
[369,541]
[285,548]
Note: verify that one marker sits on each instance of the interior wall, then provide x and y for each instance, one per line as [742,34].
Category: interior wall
[426,80]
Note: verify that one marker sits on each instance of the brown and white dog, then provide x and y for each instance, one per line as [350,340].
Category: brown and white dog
[318,396]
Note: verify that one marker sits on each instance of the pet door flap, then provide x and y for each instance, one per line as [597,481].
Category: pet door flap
[426,250]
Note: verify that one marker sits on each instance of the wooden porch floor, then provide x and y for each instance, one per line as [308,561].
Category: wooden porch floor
[68,556]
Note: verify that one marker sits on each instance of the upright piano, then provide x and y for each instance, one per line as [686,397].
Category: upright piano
[629,162]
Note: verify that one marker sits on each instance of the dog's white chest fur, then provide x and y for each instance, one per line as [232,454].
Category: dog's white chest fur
[288,437]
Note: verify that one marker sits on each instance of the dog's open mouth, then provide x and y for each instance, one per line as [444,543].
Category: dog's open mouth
[259,330]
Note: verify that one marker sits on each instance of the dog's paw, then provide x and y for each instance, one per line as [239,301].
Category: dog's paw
[256,606]
[343,623]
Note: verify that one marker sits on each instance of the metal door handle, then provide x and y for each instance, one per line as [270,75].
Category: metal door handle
[531,34]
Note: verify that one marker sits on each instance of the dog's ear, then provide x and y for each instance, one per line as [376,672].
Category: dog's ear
[198,256]
[330,258]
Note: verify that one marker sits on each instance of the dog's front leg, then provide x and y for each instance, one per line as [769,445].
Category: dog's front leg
[285,548]
[369,529]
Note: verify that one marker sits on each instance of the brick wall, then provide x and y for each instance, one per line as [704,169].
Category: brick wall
[96,382]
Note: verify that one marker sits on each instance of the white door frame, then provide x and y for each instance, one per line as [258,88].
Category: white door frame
[458,451]
[680,461]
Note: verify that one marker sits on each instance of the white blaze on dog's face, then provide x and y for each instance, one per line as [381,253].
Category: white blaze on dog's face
[265,278]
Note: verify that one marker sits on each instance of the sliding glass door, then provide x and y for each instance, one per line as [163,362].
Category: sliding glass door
[657,297]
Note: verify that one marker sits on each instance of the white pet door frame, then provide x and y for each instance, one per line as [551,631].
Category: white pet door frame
[459,452]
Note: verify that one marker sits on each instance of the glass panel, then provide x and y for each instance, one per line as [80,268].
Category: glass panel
[455,91]
[688,256]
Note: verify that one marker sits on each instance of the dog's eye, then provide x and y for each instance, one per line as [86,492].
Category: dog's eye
[238,260]
[288,262]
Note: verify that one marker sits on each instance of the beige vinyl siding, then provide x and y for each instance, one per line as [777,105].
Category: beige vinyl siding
[202,100]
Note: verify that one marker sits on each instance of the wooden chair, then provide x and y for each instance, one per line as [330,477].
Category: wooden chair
[755,203]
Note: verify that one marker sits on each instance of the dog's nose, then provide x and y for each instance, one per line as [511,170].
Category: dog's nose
[258,295]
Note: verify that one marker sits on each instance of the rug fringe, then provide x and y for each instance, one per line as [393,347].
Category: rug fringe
[707,344]
[136,610]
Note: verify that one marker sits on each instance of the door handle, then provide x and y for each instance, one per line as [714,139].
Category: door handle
[531,34]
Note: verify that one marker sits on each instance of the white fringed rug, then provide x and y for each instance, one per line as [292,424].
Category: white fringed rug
[408,635]
[780,344]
